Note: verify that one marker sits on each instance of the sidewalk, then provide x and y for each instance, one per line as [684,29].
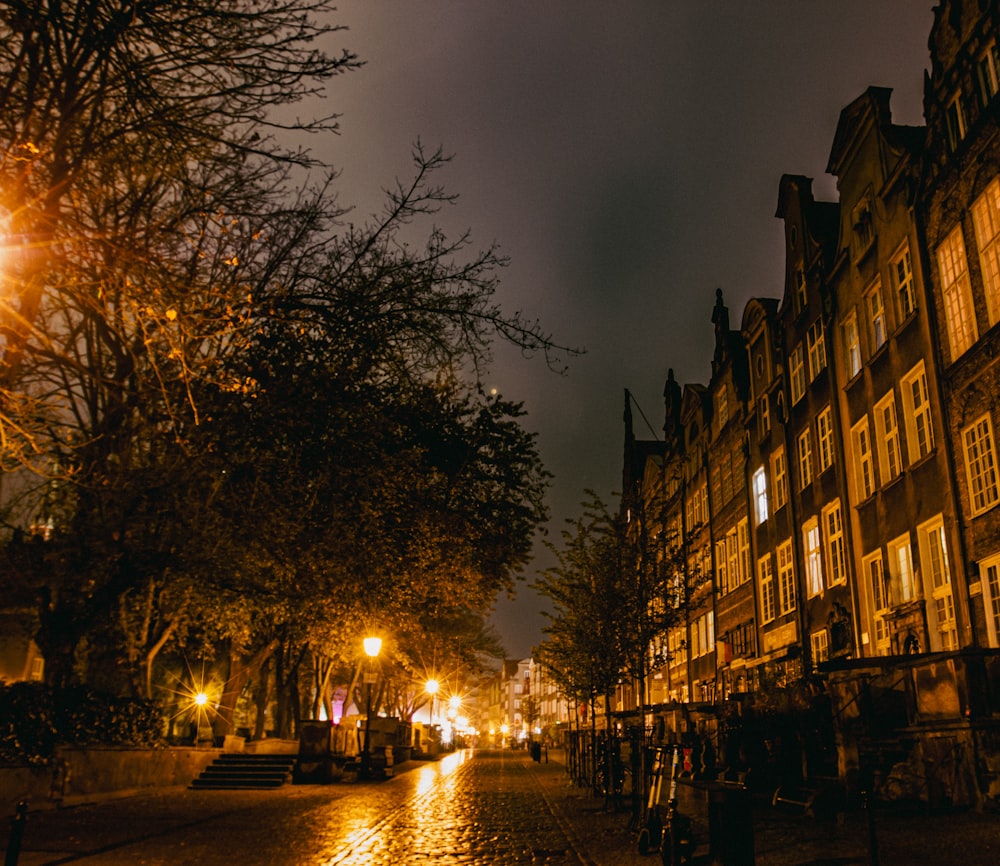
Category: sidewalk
[782,839]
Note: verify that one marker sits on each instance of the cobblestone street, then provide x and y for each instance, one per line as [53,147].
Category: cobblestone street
[487,808]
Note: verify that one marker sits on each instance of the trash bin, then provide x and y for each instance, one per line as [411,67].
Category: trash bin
[730,824]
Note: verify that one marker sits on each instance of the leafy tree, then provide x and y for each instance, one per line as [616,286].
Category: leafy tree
[175,274]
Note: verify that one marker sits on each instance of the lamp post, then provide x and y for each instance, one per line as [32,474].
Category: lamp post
[373,646]
[431,687]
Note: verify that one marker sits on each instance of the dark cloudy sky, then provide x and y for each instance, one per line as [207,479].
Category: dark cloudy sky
[626,157]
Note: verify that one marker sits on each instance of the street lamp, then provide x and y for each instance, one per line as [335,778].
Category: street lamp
[431,687]
[373,646]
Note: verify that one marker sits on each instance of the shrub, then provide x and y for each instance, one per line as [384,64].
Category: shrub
[38,718]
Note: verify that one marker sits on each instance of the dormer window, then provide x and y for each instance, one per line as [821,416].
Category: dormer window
[800,290]
[862,226]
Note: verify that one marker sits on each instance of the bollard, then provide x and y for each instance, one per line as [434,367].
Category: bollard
[872,838]
[16,833]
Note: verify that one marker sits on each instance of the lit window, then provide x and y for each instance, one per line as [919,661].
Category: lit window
[989,575]
[817,349]
[819,643]
[824,437]
[980,464]
[760,495]
[813,557]
[917,412]
[876,316]
[805,458]
[852,346]
[986,221]
[956,290]
[955,121]
[887,432]
[902,587]
[797,374]
[988,74]
[902,277]
[780,475]
[879,595]
[864,470]
[786,578]
[765,577]
[937,573]
[721,570]
[833,529]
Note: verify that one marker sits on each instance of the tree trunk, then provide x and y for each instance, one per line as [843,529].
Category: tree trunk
[240,670]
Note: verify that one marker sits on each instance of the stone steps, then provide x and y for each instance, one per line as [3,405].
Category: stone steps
[238,771]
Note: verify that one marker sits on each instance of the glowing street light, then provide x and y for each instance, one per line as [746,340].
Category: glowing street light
[373,646]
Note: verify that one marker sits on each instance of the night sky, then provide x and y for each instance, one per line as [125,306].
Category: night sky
[626,157]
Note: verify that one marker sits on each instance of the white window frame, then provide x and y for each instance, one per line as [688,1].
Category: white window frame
[759,482]
[989,578]
[852,345]
[786,577]
[878,329]
[765,580]
[901,265]
[824,438]
[864,464]
[890,457]
[803,447]
[917,413]
[819,646]
[816,345]
[863,227]
[764,413]
[956,293]
[812,552]
[797,374]
[986,223]
[879,598]
[833,536]
[779,473]
[902,580]
[937,583]
[743,545]
[980,465]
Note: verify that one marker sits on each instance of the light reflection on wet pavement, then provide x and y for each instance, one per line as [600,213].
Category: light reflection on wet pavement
[463,809]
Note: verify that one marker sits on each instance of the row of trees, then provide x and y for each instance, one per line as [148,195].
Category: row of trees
[234,423]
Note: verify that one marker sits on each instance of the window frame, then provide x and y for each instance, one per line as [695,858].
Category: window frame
[919,419]
[989,578]
[878,595]
[903,281]
[890,455]
[797,373]
[938,584]
[786,578]
[812,556]
[985,212]
[981,467]
[804,452]
[902,578]
[824,438]
[878,326]
[852,345]
[956,293]
[863,461]
[759,486]
[765,586]
[779,473]
[833,542]
[816,349]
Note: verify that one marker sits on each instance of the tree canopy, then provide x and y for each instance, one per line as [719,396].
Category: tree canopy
[229,418]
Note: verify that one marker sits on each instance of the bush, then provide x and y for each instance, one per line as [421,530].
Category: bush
[38,718]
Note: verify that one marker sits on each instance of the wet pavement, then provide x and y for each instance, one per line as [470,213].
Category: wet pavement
[468,809]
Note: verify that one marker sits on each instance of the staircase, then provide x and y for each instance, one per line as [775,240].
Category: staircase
[243,771]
